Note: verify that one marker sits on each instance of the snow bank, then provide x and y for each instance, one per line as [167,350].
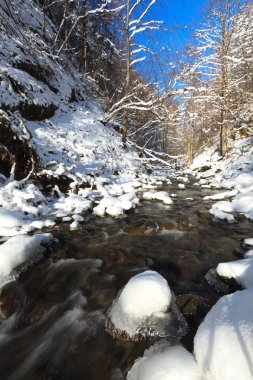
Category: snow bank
[144,306]
[163,361]
[223,344]
[20,249]
[233,173]
[240,270]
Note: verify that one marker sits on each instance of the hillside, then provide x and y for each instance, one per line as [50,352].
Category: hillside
[57,158]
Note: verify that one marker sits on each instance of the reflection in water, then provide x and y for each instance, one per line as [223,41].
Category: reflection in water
[52,322]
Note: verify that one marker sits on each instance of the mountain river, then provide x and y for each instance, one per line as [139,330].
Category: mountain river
[52,318]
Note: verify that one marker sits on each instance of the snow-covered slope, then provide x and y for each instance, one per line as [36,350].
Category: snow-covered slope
[58,160]
[234,175]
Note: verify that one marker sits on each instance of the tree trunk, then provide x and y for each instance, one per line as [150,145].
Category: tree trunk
[128,71]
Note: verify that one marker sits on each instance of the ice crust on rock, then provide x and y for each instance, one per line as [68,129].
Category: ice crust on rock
[145,307]
[20,249]
[223,344]
[163,361]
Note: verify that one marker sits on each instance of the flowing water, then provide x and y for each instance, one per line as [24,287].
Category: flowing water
[52,323]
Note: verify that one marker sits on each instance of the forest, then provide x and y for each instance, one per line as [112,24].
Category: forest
[187,100]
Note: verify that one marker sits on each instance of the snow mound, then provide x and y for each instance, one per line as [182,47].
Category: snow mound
[144,308]
[165,362]
[20,249]
[116,206]
[223,344]
[158,195]
[240,270]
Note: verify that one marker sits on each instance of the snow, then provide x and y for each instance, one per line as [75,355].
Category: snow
[20,249]
[240,270]
[248,254]
[164,361]
[233,173]
[10,218]
[158,195]
[142,307]
[248,241]
[223,344]
[221,215]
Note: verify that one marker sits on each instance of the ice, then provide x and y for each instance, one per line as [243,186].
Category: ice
[20,249]
[163,361]
[181,186]
[240,270]
[144,307]
[223,344]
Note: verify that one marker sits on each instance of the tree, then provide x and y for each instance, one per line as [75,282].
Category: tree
[133,52]
[211,68]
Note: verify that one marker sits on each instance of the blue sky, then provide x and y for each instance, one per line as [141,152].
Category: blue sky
[181,18]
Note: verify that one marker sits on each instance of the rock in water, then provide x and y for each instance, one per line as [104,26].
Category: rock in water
[145,307]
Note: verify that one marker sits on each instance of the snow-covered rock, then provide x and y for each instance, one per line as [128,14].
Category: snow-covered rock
[142,307]
[221,215]
[158,195]
[20,249]
[248,241]
[240,270]
[163,361]
[223,344]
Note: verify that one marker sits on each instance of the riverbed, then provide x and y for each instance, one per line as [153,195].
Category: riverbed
[53,316]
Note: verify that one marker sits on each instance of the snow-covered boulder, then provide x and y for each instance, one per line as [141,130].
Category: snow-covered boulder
[221,215]
[248,241]
[20,249]
[243,203]
[158,195]
[223,345]
[144,307]
[165,362]
[240,270]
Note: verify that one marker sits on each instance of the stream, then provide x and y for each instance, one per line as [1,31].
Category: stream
[52,318]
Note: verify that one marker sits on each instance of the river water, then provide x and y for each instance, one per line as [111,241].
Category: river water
[52,323]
